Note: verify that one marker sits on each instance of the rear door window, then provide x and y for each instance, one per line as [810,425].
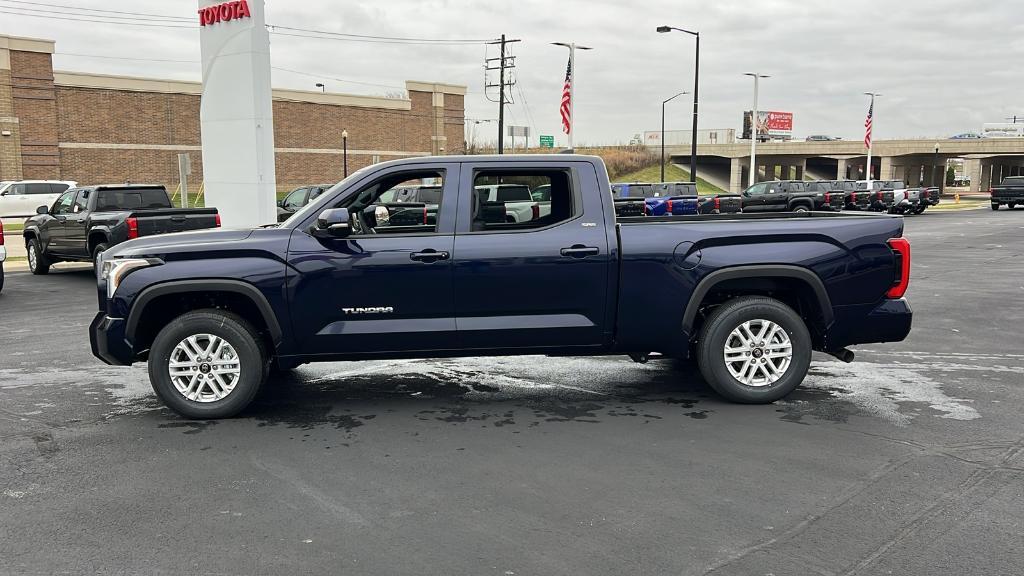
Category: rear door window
[58,187]
[502,200]
[40,188]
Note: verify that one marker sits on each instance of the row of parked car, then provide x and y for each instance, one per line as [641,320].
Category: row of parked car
[681,198]
[517,203]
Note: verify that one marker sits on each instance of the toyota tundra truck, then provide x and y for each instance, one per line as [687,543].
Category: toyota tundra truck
[747,296]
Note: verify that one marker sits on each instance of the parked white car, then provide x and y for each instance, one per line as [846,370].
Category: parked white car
[519,203]
[22,198]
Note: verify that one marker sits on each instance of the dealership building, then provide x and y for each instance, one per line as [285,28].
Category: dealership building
[99,128]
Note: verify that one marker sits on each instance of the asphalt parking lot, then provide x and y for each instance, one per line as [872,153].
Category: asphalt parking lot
[909,461]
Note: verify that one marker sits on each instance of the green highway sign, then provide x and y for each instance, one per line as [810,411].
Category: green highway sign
[547,141]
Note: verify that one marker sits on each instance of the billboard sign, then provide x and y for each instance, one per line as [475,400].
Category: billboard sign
[1002,129]
[770,124]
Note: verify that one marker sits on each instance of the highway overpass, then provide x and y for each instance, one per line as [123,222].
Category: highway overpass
[986,160]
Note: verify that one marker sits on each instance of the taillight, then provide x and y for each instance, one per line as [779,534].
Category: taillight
[216,220]
[853,197]
[668,207]
[718,203]
[133,227]
[1,233]
[424,214]
[828,198]
[901,251]
[536,211]
[879,196]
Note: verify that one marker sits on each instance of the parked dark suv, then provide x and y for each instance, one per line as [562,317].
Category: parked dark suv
[298,198]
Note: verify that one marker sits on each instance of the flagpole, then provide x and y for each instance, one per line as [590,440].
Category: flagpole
[871,142]
[572,85]
[572,91]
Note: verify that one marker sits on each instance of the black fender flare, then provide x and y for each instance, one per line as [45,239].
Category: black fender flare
[203,285]
[757,271]
[104,232]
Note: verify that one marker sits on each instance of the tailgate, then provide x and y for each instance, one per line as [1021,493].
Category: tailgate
[625,207]
[154,222]
[728,204]
[681,206]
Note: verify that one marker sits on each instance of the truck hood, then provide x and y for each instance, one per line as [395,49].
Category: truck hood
[153,245]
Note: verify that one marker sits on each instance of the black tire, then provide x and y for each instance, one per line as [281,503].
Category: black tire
[995,206]
[1,276]
[717,332]
[38,263]
[250,353]
[801,208]
[97,252]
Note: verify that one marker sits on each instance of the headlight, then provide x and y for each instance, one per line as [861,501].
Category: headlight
[115,269]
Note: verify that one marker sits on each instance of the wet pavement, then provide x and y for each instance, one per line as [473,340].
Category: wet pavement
[908,461]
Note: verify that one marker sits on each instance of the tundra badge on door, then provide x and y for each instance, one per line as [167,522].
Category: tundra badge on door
[370,310]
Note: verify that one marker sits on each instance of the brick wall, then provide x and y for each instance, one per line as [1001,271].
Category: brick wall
[34,103]
[115,118]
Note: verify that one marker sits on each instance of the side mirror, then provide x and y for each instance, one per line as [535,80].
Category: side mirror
[46,210]
[280,203]
[333,223]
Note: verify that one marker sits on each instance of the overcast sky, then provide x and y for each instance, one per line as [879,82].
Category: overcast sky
[943,66]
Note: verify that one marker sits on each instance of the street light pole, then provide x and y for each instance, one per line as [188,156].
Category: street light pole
[663,102]
[752,179]
[344,150]
[572,84]
[935,164]
[696,84]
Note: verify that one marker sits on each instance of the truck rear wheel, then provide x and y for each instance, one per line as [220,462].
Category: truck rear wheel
[207,364]
[754,350]
[995,206]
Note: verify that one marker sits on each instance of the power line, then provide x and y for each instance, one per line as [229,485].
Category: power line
[393,38]
[72,18]
[311,36]
[80,9]
[326,77]
[76,55]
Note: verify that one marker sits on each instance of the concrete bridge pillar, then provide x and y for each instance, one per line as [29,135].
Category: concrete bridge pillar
[972,169]
[885,168]
[799,169]
[841,169]
[736,181]
[986,175]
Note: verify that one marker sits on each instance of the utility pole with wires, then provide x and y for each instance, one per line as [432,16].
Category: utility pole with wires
[505,62]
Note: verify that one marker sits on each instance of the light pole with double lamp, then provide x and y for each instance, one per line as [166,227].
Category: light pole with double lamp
[753,133]
[696,83]
[344,150]
[663,102]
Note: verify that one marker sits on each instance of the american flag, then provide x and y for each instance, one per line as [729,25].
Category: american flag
[566,107]
[867,124]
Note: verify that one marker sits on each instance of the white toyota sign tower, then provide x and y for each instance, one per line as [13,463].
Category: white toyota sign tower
[236,114]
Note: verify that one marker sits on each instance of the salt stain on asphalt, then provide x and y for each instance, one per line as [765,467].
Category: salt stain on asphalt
[878,389]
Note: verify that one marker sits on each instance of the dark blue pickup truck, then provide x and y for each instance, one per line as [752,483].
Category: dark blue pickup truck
[747,296]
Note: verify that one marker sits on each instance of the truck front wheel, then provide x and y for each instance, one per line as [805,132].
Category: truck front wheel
[207,364]
[754,350]
[38,263]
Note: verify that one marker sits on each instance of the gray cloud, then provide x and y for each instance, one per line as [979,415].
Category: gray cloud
[944,66]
